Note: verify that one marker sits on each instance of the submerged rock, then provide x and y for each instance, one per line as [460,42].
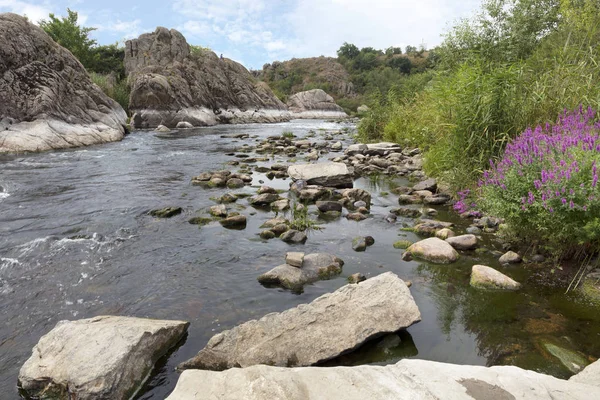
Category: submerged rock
[310,333]
[571,359]
[167,212]
[407,379]
[234,222]
[434,250]
[483,277]
[328,174]
[105,357]
[357,278]
[314,267]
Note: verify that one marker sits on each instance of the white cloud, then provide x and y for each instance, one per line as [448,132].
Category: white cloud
[35,12]
[123,29]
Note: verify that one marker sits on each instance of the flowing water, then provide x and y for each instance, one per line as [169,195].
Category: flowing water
[76,242]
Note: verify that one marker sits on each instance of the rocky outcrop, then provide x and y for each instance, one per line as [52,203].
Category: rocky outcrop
[47,99]
[328,174]
[314,104]
[331,325]
[97,358]
[172,84]
[408,379]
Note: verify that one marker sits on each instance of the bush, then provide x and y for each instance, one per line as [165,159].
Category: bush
[546,185]
[117,90]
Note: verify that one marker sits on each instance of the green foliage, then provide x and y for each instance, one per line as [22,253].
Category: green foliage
[108,60]
[348,51]
[66,32]
[197,51]
[118,90]
[300,219]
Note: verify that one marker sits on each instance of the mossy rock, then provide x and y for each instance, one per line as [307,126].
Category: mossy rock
[402,244]
[591,288]
[573,360]
[200,221]
[166,212]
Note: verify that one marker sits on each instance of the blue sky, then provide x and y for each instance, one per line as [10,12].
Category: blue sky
[255,32]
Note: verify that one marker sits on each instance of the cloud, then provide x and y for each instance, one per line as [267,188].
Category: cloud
[123,29]
[35,12]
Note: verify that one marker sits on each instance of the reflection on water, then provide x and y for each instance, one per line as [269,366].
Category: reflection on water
[76,241]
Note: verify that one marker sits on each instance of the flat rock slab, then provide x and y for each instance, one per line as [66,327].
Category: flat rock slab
[314,267]
[104,357]
[406,380]
[373,149]
[433,249]
[333,324]
[328,174]
[488,278]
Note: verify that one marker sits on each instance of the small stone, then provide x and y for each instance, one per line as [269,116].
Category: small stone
[295,259]
[356,278]
[235,183]
[267,235]
[463,242]
[484,277]
[369,240]
[474,230]
[162,129]
[510,257]
[217,181]
[262,200]
[293,236]
[234,222]
[433,250]
[363,210]
[266,189]
[279,229]
[167,212]
[184,125]
[326,206]
[336,146]
[219,211]
[359,244]
[280,205]
[359,204]
[408,283]
[273,222]
[227,198]
[444,233]
[200,220]
[403,244]
[428,184]
[356,217]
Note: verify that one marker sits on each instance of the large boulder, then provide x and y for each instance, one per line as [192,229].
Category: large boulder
[407,379]
[47,99]
[314,104]
[590,375]
[104,357]
[331,325]
[328,174]
[484,277]
[433,249]
[314,267]
[170,84]
[373,149]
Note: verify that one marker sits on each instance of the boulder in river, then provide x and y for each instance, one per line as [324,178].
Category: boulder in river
[166,212]
[105,357]
[373,149]
[463,242]
[292,236]
[484,277]
[314,267]
[47,99]
[433,249]
[331,325]
[234,222]
[510,257]
[407,379]
[328,174]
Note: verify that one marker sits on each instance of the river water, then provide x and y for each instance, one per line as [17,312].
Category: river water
[76,242]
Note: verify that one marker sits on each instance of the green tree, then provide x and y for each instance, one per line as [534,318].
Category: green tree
[67,32]
[348,51]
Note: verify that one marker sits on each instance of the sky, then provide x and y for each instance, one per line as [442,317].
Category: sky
[255,32]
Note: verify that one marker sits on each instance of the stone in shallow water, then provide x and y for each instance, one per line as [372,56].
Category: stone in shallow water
[510,257]
[315,266]
[105,357]
[294,236]
[463,242]
[167,212]
[434,250]
[234,222]
[321,330]
[327,174]
[488,278]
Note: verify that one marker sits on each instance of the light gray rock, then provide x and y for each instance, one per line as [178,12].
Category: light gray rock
[336,146]
[294,258]
[234,222]
[329,174]
[373,149]
[433,249]
[484,277]
[428,184]
[313,104]
[327,206]
[262,200]
[47,99]
[293,236]
[590,375]
[359,244]
[162,129]
[280,205]
[105,357]
[316,266]
[510,257]
[184,125]
[220,210]
[444,233]
[362,109]
[462,242]
[407,379]
[310,333]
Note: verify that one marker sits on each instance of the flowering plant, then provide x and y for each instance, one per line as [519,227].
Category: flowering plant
[546,184]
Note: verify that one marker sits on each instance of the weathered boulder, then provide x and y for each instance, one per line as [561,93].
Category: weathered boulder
[329,174]
[433,249]
[314,267]
[292,236]
[166,212]
[407,379]
[184,125]
[463,242]
[373,149]
[265,199]
[483,277]
[314,104]
[310,333]
[428,184]
[171,84]
[329,206]
[295,259]
[105,357]
[510,257]
[590,375]
[234,222]
[47,99]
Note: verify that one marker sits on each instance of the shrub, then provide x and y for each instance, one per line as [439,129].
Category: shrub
[113,88]
[546,184]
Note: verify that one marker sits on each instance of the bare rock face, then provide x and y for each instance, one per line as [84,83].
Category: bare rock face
[170,84]
[309,333]
[47,99]
[407,379]
[314,104]
[97,358]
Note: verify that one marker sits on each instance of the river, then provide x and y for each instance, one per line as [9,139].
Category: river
[76,241]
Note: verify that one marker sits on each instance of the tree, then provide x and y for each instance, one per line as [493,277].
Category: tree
[410,50]
[67,32]
[401,64]
[391,51]
[348,51]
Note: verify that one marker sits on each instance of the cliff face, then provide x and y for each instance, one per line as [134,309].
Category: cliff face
[170,84]
[295,75]
[47,100]
[314,104]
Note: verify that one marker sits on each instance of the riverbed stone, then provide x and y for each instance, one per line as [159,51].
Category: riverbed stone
[266,190]
[294,258]
[433,249]
[359,244]
[274,221]
[510,257]
[445,233]
[235,183]
[310,333]
[265,199]
[219,211]
[280,205]
[327,174]
[328,206]
[357,278]
[184,125]
[573,360]
[373,149]
[315,266]
[407,379]
[293,236]
[463,242]
[484,277]
[428,184]
[105,357]
[267,234]
[279,229]
[356,216]
[166,212]
[234,222]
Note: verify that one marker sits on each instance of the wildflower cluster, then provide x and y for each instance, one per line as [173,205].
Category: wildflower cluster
[547,181]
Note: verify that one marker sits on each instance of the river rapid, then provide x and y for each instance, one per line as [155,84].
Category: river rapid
[76,241]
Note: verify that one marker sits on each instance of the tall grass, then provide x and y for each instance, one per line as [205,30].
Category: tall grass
[113,88]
